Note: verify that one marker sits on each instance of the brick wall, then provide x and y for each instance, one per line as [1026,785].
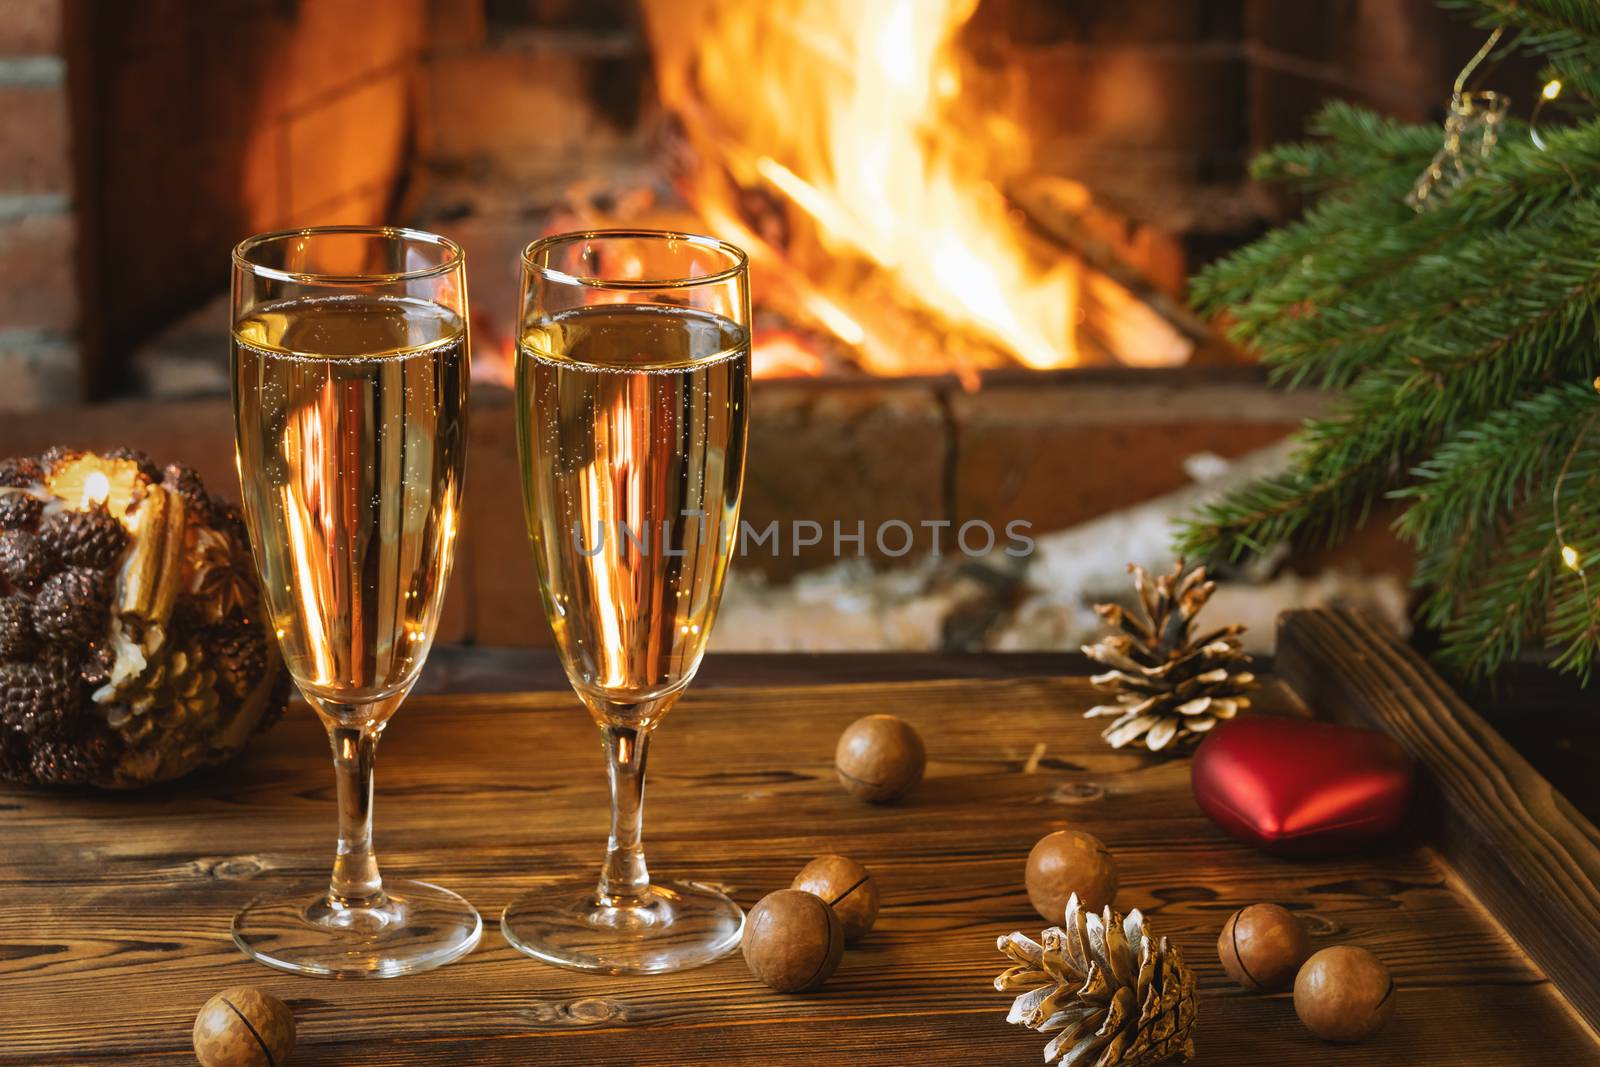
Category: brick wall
[215,121]
[39,310]
[1158,105]
[191,127]
[532,94]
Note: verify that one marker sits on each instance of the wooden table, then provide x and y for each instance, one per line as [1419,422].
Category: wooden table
[114,909]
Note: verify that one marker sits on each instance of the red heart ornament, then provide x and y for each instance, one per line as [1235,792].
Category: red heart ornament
[1295,787]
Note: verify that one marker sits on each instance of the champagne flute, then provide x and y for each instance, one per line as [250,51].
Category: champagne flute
[350,367]
[632,372]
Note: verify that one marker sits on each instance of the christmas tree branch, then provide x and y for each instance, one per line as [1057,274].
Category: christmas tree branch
[1463,340]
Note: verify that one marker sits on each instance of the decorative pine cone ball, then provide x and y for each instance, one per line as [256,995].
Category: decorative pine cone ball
[132,645]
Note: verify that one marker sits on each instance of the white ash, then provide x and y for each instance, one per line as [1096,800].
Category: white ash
[1043,601]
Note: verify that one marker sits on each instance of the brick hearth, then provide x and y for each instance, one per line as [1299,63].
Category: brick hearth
[1062,450]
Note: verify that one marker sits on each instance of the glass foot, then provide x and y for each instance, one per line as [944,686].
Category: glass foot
[675,926]
[418,927]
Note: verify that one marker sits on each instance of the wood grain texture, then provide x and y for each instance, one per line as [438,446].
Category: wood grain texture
[1518,844]
[114,910]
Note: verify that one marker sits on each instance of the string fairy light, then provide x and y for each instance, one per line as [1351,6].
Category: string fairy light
[1570,555]
[1551,90]
[1471,131]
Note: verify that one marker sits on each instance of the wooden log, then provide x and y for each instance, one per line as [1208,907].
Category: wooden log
[1526,852]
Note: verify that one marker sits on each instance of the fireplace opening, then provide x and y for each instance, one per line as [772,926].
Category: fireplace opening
[970,224]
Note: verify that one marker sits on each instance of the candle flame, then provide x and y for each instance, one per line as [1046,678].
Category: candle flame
[96,489]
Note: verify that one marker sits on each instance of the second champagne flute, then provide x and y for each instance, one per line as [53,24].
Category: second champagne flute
[632,378]
[350,370]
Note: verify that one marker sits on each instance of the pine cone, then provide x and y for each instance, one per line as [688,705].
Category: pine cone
[17,639]
[1171,687]
[58,454]
[179,689]
[39,698]
[21,472]
[16,756]
[226,518]
[88,538]
[142,460]
[96,665]
[240,655]
[24,559]
[20,511]
[72,762]
[72,607]
[186,480]
[1120,997]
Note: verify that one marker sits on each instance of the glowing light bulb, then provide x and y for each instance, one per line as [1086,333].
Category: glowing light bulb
[1570,557]
[1552,89]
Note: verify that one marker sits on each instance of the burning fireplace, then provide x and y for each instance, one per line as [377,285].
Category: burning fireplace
[970,222]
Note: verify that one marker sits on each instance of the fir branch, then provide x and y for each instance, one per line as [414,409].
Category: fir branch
[1358,144]
[1512,591]
[1511,459]
[1463,340]
[1541,20]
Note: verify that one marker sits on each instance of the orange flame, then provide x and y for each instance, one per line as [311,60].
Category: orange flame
[833,139]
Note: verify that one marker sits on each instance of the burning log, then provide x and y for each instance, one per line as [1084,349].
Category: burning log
[870,200]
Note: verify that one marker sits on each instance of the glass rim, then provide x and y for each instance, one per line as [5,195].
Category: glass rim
[739,261]
[455,255]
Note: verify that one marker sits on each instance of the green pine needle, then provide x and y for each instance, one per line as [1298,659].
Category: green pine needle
[1463,341]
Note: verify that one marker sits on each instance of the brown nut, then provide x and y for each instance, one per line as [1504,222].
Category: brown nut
[243,1027]
[1344,993]
[1262,947]
[848,888]
[879,758]
[1068,862]
[792,941]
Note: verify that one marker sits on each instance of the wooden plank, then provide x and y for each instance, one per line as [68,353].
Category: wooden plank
[114,909]
[1531,857]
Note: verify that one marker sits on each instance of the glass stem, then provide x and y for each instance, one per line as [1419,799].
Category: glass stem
[356,882]
[624,878]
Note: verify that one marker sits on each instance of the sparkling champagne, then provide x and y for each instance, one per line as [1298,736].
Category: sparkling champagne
[631,427]
[351,433]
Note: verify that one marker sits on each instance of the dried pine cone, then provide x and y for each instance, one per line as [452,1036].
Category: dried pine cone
[20,511]
[96,665]
[186,480]
[20,473]
[1171,687]
[146,465]
[39,698]
[16,756]
[72,762]
[1113,994]
[17,639]
[58,454]
[227,519]
[240,656]
[88,538]
[71,608]
[24,559]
